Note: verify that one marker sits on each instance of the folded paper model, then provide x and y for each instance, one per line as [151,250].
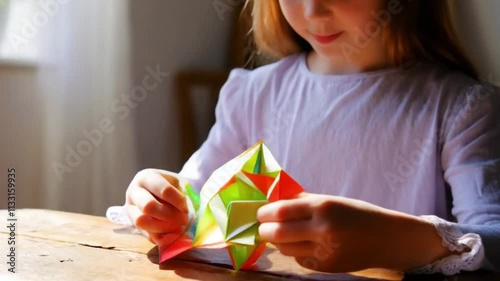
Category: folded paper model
[224,215]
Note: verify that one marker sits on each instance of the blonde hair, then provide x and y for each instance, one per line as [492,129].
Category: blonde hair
[422,31]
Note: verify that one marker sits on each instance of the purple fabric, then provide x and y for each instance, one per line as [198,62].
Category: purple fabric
[420,139]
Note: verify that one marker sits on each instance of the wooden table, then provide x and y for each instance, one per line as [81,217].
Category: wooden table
[54,245]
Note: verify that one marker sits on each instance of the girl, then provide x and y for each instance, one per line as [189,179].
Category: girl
[374,110]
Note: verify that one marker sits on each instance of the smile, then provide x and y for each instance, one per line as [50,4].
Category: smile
[327,39]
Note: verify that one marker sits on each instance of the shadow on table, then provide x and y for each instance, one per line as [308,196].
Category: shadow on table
[270,266]
[466,276]
[274,266]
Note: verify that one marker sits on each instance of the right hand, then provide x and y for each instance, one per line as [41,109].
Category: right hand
[155,203]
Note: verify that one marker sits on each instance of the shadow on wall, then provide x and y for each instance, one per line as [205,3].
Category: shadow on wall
[477,23]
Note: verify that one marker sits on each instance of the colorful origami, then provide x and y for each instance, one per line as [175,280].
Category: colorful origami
[224,215]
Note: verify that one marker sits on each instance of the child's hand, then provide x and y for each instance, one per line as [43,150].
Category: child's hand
[324,233]
[155,203]
[337,234]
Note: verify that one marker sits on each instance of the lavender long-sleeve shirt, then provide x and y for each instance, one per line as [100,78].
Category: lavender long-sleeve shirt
[421,139]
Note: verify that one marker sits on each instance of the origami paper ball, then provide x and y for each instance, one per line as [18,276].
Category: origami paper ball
[227,207]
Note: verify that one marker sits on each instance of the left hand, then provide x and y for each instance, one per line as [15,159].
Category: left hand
[337,234]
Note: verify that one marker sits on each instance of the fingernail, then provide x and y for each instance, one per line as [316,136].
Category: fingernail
[265,230]
[261,212]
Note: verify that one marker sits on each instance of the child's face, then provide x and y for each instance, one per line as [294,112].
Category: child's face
[331,26]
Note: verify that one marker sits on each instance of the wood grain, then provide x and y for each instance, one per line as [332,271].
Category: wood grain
[56,245]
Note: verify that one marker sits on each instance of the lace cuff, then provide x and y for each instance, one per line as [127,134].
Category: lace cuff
[455,241]
[118,215]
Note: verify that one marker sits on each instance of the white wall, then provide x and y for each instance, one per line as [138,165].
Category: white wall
[478,24]
[175,34]
[20,134]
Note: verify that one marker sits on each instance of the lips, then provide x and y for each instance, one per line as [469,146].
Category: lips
[328,38]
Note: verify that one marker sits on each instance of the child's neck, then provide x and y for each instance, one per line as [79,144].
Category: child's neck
[340,65]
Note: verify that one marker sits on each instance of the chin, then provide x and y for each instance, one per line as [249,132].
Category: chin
[334,52]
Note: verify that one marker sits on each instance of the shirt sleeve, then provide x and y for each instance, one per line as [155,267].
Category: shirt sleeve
[471,165]
[228,136]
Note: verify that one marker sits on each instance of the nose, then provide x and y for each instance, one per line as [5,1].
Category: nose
[317,10]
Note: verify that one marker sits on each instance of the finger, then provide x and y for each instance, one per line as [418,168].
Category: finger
[151,207]
[153,225]
[287,232]
[297,249]
[152,237]
[155,237]
[165,187]
[150,224]
[285,210]
[177,182]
